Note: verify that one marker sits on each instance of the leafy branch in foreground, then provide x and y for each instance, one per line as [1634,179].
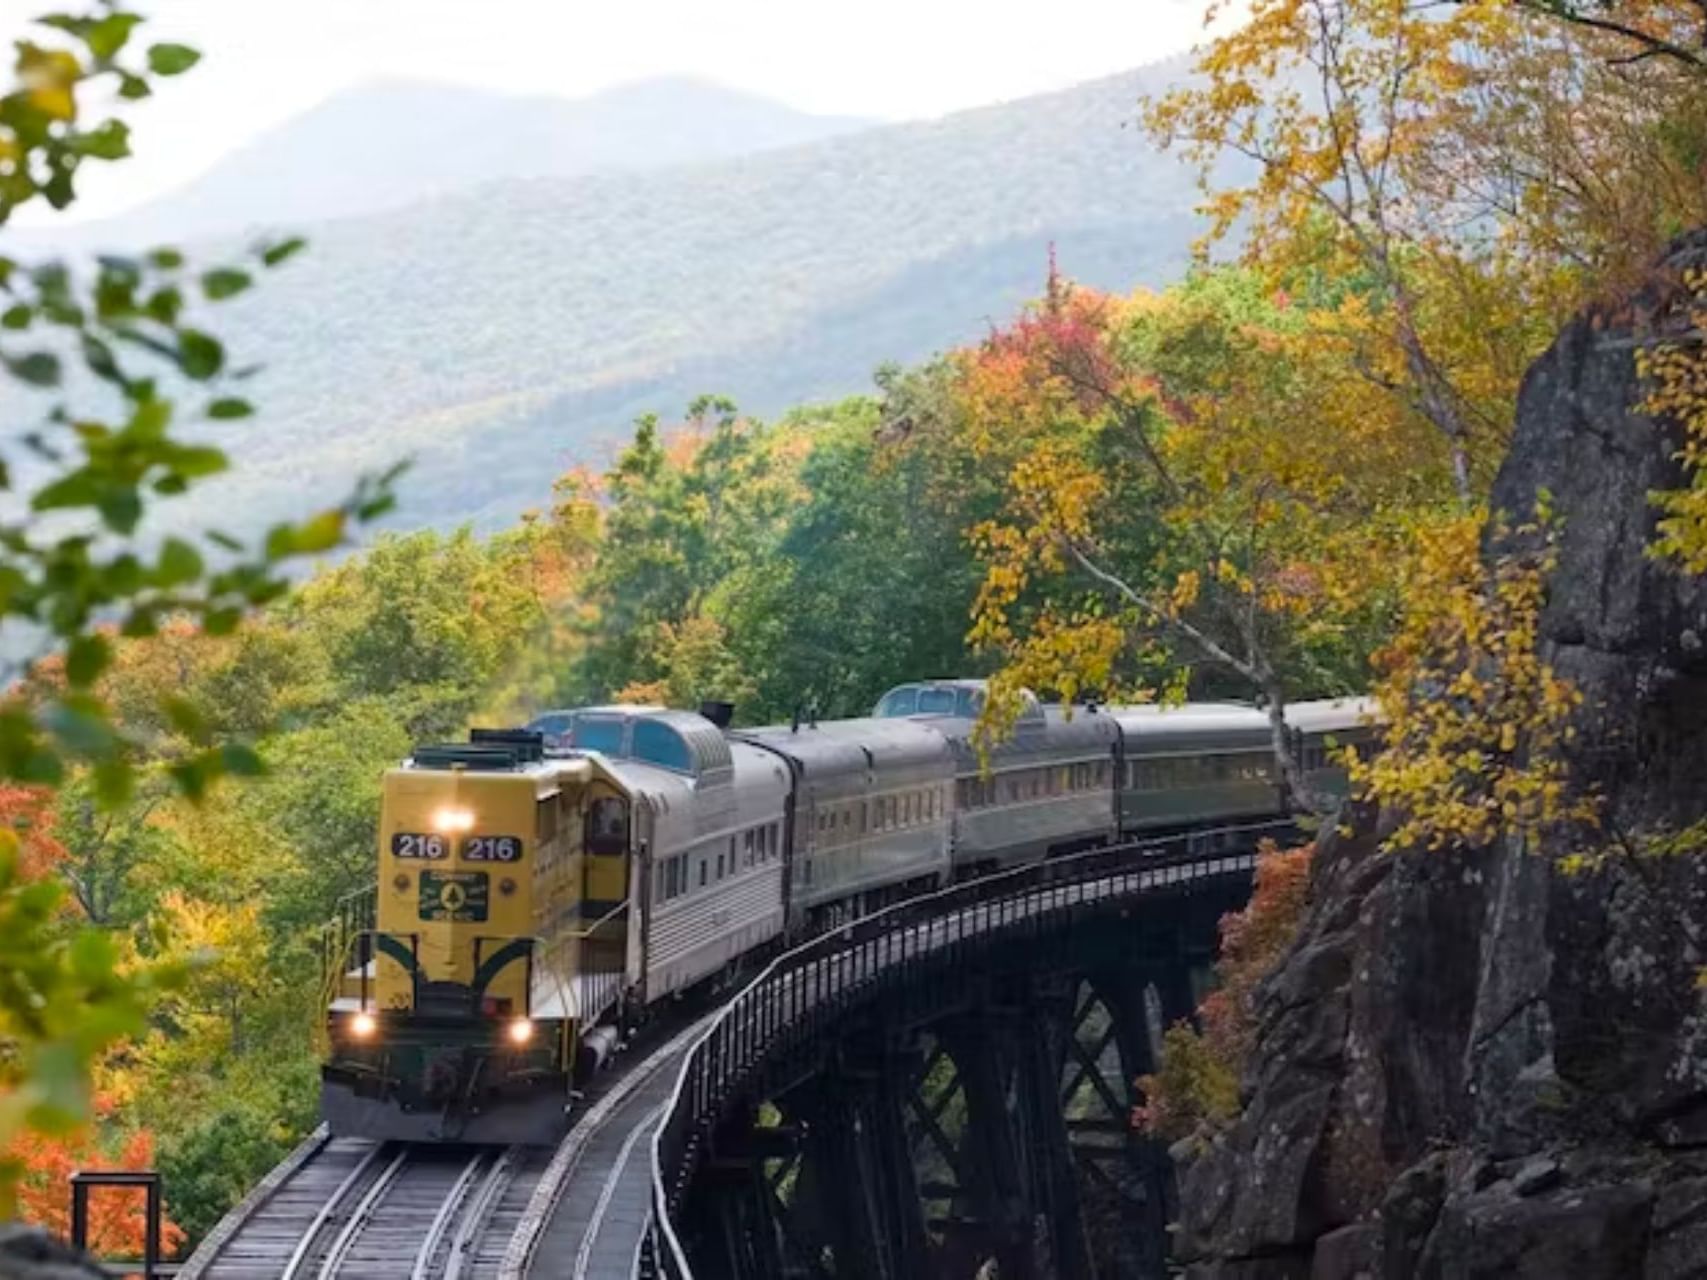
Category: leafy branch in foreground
[116,361]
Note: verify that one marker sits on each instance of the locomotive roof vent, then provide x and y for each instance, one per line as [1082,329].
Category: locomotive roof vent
[721,714]
[528,744]
[488,750]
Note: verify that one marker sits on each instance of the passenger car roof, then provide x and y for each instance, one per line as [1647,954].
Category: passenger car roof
[843,746]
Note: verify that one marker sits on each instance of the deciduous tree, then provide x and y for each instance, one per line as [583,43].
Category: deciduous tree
[1275,494]
[1197,1083]
[117,1225]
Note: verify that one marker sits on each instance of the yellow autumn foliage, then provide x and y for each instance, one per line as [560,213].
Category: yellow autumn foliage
[1676,375]
[1476,722]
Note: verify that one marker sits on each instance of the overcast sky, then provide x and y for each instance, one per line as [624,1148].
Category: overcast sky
[267,60]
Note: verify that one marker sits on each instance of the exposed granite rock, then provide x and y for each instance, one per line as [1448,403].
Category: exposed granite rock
[1678,1249]
[1348,1253]
[1471,1064]
[1593,1233]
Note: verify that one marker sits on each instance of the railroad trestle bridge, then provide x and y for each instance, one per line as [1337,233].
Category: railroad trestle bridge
[949,1084]
[941,1089]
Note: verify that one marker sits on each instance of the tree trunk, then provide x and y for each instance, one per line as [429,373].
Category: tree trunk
[1292,782]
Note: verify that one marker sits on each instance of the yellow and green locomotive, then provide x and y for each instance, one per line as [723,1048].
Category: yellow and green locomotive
[459,1013]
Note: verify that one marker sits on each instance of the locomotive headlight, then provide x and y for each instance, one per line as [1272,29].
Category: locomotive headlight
[363,1025]
[452,818]
[521,1031]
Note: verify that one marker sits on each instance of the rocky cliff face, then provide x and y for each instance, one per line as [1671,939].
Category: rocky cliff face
[27,1253]
[1471,1064]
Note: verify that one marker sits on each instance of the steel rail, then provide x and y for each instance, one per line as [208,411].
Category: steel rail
[232,1224]
[300,1254]
[423,1268]
[479,1209]
[359,1216]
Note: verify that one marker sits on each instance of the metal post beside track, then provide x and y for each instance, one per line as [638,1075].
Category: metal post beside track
[84,1180]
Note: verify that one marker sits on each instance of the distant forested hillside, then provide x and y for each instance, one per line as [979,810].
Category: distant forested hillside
[498,335]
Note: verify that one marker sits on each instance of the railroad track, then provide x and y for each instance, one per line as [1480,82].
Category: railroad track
[350,1208]
[355,1209]
[590,1209]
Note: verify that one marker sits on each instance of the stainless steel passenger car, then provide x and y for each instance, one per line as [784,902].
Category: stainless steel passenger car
[1214,762]
[707,830]
[1322,729]
[870,814]
[1182,765]
[1047,788]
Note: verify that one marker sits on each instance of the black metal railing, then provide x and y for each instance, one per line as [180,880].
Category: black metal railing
[148,1181]
[806,989]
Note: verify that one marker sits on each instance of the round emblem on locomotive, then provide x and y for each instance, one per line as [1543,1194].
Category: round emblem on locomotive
[453,897]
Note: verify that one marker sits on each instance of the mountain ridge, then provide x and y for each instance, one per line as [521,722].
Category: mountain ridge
[383,145]
[498,335]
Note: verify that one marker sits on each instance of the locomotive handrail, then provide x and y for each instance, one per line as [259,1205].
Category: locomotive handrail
[382,942]
[353,912]
[587,931]
[739,1034]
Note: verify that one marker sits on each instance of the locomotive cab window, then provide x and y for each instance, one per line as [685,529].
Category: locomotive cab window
[607,825]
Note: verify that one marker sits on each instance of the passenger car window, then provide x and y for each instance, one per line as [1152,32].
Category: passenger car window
[593,733]
[936,702]
[661,745]
[899,702]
